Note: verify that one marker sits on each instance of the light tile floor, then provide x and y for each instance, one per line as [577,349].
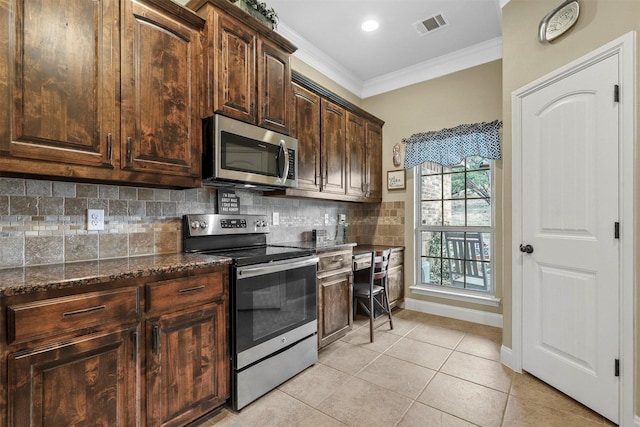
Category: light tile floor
[427,371]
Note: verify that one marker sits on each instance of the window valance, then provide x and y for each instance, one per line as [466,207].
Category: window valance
[451,146]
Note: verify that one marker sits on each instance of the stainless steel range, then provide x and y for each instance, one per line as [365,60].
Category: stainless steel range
[273,296]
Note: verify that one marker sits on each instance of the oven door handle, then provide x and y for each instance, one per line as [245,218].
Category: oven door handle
[274,267]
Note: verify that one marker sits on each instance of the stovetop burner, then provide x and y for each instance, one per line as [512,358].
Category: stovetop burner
[240,237]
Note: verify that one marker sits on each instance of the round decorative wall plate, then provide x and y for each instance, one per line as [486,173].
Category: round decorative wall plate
[558,21]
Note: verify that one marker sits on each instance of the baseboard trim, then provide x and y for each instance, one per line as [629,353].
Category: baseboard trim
[460,313]
[506,357]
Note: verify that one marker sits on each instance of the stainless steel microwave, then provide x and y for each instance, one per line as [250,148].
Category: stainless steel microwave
[238,154]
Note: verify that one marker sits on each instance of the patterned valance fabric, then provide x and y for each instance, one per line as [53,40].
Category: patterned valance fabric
[451,146]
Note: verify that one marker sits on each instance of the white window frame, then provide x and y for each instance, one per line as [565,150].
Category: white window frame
[458,294]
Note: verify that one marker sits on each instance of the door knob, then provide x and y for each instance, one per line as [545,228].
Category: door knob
[526,248]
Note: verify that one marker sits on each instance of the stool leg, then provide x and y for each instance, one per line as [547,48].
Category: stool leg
[371,316]
[386,298]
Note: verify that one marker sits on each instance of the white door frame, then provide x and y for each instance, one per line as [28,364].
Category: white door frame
[624,47]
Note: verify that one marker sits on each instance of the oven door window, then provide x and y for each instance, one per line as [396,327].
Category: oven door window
[269,305]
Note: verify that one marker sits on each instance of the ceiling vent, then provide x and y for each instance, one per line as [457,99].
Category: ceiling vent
[431,24]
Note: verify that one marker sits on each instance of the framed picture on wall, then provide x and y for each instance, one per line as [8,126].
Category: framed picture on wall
[395,180]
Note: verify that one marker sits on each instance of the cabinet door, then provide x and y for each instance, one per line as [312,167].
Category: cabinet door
[306,129]
[373,163]
[356,155]
[92,380]
[160,109]
[234,75]
[187,364]
[333,148]
[395,285]
[61,72]
[274,77]
[335,307]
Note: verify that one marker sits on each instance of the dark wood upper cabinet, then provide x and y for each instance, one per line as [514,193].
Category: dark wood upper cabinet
[247,67]
[161,128]
[234,87]
[373,163]
[306,129]
[333,148]
[61,72]
[339,146]
[356,172]
[274,82]
[101,90]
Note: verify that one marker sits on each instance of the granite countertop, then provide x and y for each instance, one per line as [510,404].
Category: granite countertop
[24,280]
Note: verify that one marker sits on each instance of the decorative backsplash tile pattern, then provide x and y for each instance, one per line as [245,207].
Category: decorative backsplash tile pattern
[44,222]
[377,224]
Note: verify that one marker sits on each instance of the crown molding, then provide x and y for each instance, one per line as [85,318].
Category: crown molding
[478,54]
[322,62]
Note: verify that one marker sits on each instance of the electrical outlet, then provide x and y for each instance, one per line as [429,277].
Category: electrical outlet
[326,219]
[342,218]
[276,218]
[95,219]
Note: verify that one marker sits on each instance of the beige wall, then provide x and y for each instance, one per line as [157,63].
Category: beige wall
[468,96]
[525,60]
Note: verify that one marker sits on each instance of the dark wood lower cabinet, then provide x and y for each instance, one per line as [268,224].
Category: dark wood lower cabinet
[335,296]
[395,278]
[186,365]
[90,380]
[149,351]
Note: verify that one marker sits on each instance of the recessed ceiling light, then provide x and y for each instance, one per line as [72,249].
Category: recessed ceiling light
[370,25]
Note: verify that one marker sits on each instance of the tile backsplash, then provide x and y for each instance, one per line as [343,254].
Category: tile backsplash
[44,222]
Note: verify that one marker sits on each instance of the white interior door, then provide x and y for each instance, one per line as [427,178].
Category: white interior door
[570,204]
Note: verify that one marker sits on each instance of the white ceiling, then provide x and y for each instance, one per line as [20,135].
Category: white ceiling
[329,38]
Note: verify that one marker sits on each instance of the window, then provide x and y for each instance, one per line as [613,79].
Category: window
[455,227]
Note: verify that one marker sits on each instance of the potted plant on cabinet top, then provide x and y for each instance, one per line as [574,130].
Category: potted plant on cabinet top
[259,10]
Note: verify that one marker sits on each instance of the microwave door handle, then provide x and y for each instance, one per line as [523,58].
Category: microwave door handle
[284,151]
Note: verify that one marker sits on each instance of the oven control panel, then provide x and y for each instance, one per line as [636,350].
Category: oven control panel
[217,224]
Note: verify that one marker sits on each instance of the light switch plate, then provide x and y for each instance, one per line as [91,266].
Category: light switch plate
[326,219]
[95,219]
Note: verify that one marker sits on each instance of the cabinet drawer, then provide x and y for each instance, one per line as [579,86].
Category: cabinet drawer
[55,316]
[335,261]
[183,291]
[397,258]
[361,263]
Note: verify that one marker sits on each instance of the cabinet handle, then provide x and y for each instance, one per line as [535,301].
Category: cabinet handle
[129,149]
[134,337]
[84,311]
[156,340]
[188,290]
[110,146]
[252,109]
